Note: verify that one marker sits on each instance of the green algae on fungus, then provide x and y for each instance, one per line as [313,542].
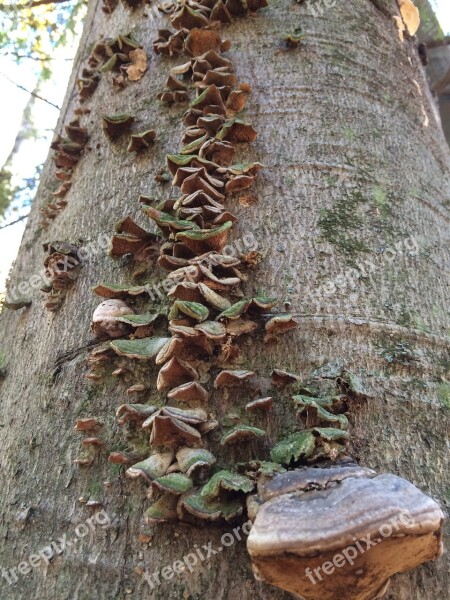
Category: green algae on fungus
[194,310]
[295,447]
[164,509]
[317,414]
[292,40]
[203,240]
[140,320]
[173,483]
[116,125]
[240,433]
[210,510]
[191,460]
[141,141]
[213,298]
[226,481]
[143,348]
[152,467]
[110,290]
[234,311]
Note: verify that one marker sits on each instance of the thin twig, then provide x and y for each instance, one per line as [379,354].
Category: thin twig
[29,92]
[38,58]
[14,222]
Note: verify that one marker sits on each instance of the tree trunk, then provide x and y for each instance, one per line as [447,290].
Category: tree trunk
[352,219]
[438,69]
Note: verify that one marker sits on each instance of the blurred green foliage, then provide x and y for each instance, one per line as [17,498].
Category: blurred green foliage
[31,31]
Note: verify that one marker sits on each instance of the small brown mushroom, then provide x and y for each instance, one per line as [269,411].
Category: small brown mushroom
[83,462]
[264,404]
[232,378]
[281,324]
[189,392]
[92,441]
[174,373]
[141,141]
[105,320]
[115,125]
[200,41]
[281,378]
[122,458]
[87,424]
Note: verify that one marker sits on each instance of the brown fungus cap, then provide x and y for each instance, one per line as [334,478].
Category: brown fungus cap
[296,534]
[189,392]
[105,320]
[174,373]
[230,378]
[116,125]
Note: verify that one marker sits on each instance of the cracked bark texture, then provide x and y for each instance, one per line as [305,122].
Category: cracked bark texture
[353,219]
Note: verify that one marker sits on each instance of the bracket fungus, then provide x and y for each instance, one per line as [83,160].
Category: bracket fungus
[122,55]
[316,522]
[241,433]
[62,266]
[68,151]
[116,125]
[229,378]
[292,40]
[17,303]
[87,424]
[106,321]
[152,467]
[141,141]
[263,404]
[109,6]
[282,378]
[141,348]
[131,239]
[138,64]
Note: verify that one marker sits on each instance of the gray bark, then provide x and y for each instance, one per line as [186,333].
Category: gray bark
[355,188]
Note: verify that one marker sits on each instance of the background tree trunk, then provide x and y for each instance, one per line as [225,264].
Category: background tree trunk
[356,182]
[439,62]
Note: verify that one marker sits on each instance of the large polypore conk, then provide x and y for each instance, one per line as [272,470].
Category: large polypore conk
[341,532]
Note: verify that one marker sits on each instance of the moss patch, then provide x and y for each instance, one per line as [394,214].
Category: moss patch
[444,394]
[340,225]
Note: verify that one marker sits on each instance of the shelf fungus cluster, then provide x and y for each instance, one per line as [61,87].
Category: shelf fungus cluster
[198,465]
[209,312]
[91,444]
[62,266]
[68,151]
[123,57]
